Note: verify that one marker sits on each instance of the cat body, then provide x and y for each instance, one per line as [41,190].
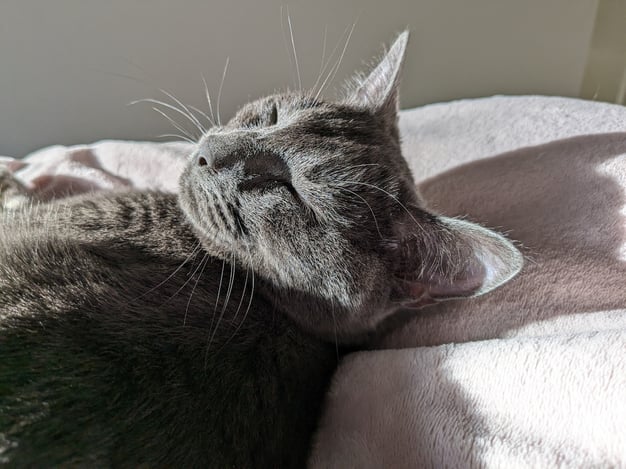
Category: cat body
[168,385]
[202,329]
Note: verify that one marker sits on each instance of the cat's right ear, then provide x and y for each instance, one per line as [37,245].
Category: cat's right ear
[378,91]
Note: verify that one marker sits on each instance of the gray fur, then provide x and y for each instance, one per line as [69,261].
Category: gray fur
[202,329]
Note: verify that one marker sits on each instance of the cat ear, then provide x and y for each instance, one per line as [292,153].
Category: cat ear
[379,90]
[458,259]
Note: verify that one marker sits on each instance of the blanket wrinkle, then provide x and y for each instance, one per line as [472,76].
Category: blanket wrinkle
[61,171]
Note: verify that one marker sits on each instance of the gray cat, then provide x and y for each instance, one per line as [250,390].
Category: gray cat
[201,330]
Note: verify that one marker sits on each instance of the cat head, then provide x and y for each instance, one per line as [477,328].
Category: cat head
[317,199]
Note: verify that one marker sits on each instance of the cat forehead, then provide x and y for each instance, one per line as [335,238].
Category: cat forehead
[293,106]
[285,101]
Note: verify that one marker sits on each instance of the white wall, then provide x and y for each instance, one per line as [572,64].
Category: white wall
[69,67]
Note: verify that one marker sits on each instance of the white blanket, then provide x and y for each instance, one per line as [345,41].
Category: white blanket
[531,375]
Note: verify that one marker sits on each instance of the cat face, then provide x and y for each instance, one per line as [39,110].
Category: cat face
[317,199]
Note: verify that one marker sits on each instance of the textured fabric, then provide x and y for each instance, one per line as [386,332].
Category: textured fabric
[530,375]
[109,165]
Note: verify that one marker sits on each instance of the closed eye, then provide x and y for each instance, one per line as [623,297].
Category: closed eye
[270,182]
[266,182]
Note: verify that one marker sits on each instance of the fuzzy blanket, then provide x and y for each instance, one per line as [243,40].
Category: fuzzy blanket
[531,375]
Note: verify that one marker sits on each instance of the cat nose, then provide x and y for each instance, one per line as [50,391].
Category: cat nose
[206,162]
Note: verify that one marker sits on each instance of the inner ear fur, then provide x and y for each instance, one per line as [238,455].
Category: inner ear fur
[450,258]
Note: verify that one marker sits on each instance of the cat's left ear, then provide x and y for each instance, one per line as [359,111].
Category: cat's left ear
[449,258]
[378,91]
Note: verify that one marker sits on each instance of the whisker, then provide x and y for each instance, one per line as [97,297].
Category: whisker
[287,50]
[251,296]
[252,286]
[391,196]
[219,290]
[226,300]
[343,52]
[120,75]
[190,115]
[219,93]
[245,315]
[217,300]
[193,253]
[177,136]
[333,70]
[188,280]
[293,45]
[205,260]
[175,124]
[231,280]
[369,206]
[203,114]
[167,105]
[208,99]
[245,285]
[332,54]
